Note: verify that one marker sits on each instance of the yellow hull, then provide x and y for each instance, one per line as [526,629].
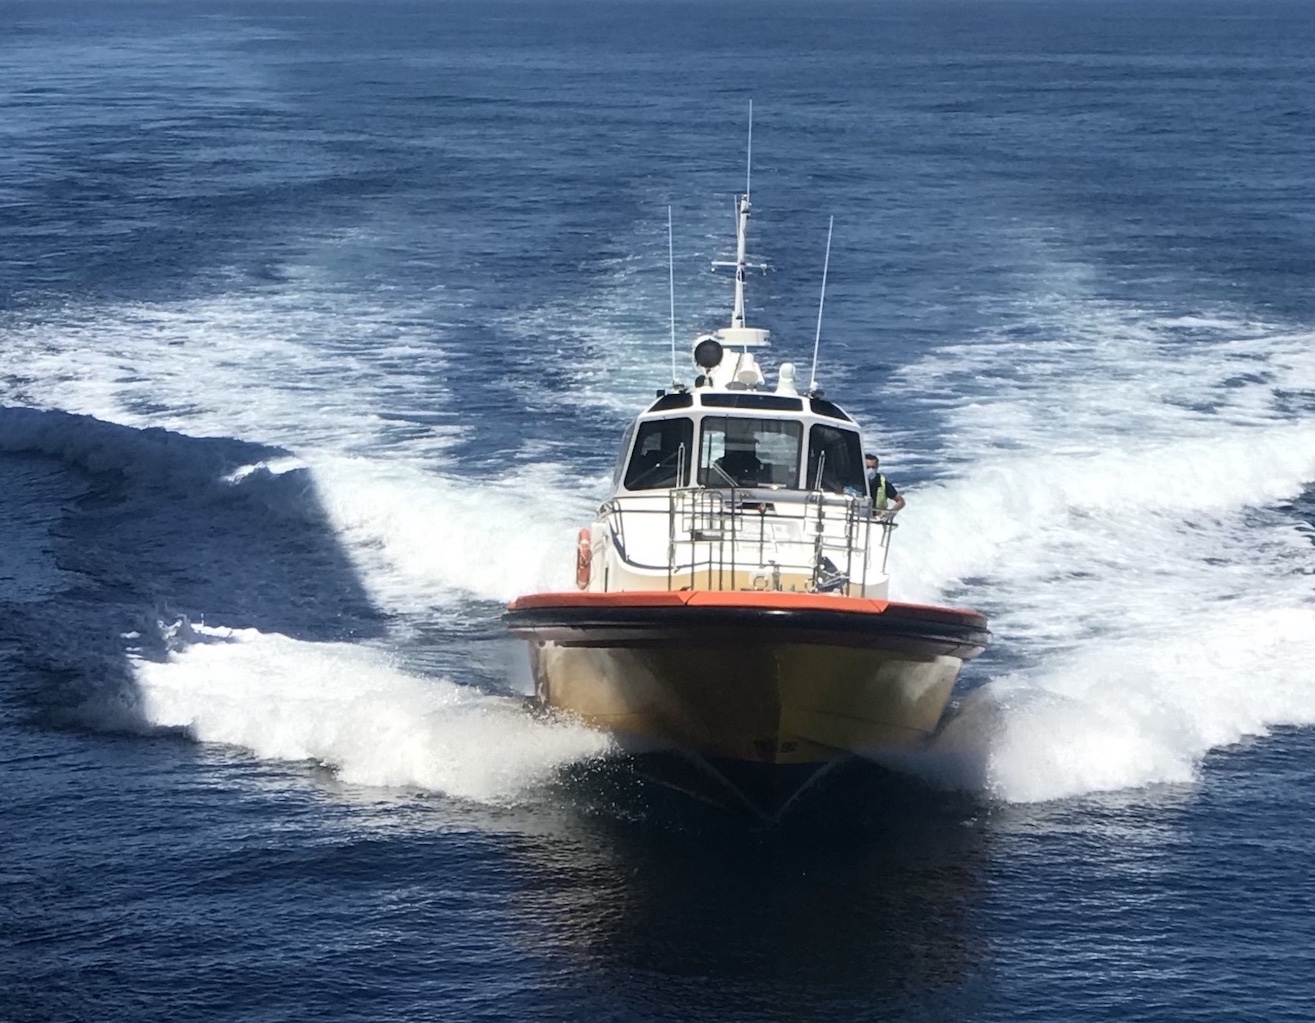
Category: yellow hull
[766,689]
[764,703]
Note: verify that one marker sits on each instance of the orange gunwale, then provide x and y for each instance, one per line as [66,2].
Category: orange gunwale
[760,600]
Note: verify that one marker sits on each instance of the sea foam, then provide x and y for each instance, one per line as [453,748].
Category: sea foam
[1121,506]
[1117,498]
[347,707]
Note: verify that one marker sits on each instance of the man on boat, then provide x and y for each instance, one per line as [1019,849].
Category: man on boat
[740,464]
[886,500]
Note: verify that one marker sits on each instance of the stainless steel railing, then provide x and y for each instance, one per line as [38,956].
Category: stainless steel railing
[755,538]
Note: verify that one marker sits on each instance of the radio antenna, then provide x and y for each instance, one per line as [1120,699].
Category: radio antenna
[671,290]
[817,338]
[748,160]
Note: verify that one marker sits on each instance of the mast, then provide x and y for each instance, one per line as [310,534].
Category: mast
[736,333]
[741,240]
[742,228]
[739,369]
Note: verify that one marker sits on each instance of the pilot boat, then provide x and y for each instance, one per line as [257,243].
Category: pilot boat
[731,604]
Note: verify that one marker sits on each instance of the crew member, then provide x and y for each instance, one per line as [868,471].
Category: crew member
[885,498]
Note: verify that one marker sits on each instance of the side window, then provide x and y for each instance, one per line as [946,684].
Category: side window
[662,447]
[622,453]
[835,460]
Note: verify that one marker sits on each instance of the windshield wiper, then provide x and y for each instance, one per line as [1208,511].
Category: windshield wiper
[725,475]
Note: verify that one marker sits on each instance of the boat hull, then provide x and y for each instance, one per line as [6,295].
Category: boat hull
[766,688]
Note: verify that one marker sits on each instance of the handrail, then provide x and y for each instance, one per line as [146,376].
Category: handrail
[714,534]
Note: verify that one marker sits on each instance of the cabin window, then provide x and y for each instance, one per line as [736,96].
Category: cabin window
[822,407]
[835,460]
[661,454]
[749,452]
[679,399]
[741,399]
[622,453]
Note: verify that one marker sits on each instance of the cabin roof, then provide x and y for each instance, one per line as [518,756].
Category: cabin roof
[756,401]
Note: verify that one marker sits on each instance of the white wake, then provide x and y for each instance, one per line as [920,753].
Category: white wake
[1116,496]
[348,708]
[1120,505]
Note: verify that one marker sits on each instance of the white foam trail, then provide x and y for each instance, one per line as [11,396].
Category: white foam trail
[280,372]
[347,707]
[613,343]
[1118,509]
[1132,712]
[1111,495]
[1077,512]
[277,371]
[423,538]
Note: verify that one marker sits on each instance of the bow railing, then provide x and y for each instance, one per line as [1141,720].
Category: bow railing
[752,538]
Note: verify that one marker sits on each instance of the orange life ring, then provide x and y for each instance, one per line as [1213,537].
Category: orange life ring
[584,558]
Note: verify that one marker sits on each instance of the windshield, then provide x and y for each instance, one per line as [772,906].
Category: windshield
[662,447]
[835,460]
[735,452]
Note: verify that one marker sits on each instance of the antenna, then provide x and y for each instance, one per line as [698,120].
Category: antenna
[817,338]
[671,288]
[748,160]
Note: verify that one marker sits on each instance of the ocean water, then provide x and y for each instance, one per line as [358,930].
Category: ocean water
[319,323]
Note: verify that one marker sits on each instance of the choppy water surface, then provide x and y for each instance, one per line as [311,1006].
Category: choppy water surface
[319,323]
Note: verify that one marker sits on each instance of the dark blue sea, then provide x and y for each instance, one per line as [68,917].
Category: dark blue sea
[320,321]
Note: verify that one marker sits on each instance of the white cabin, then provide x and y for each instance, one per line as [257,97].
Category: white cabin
[735,485]
[734,490]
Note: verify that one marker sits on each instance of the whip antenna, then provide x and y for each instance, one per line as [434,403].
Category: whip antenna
[748,160]
[817,338]
[671,290]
